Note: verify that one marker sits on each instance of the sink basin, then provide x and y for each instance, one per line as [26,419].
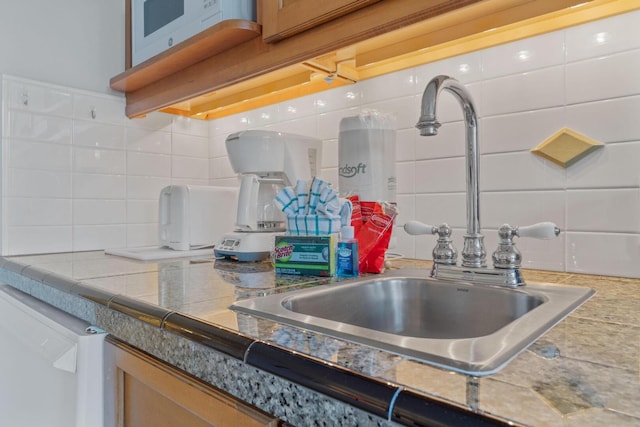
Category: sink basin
[465,327]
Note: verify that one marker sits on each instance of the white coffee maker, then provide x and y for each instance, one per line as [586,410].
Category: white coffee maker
[267,161]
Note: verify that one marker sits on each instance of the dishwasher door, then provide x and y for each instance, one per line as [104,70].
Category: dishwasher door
[51,367]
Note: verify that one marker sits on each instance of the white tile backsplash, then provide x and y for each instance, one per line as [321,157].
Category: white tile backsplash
[390,86]
[603,37]
[435,209]
[403,109]
[217,147]
[612,210]
[29,211]
[189,167]
[142,211]
[405,144]
[144,140]
[188,126]
[98,135]
[338,99]
[38,239]
[39,127]
[519,171]
[222,168]
[145,187]
[306,126]
[613,166]
[99,108]
[293,109]
[532,90]
[521,208]
[144,164]
[330,153]
[329,123]
[524,56]
[584,78]
[25,154]
[190,145]
[94,186]
[37,183]
[519,131]
[434,176]
[96,237]
[155,121]
[98,211]
[603,77]
[405,176]
[142,235]
[95,160]
[611,120]
[468,69]
[77,173]
[449,142]
[39,98]
[614,254]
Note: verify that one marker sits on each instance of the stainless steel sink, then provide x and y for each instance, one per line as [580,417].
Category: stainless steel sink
[474,329]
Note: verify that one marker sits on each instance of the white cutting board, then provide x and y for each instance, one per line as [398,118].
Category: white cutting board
[153,253]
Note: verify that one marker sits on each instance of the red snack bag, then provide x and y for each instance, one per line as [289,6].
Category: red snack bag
[356,214]
[373,239]
[367,209]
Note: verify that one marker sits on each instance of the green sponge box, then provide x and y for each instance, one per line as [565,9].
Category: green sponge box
[305,255]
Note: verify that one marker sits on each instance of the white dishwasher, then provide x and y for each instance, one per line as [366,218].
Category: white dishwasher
[51,367]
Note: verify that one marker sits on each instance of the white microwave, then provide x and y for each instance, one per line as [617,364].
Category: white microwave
[157,25]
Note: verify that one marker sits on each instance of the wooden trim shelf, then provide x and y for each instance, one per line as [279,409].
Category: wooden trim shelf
[206,44]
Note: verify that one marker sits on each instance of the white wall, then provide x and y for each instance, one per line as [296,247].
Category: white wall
[75,43]
[584,78]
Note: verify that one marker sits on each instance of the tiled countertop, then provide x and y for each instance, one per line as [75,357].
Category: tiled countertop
[178,311]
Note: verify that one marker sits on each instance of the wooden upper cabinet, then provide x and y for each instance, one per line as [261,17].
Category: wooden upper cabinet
[284,18]
[230,68]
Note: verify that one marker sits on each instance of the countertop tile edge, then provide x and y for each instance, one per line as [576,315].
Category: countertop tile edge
[415,409]
[228,342]
[13,266]
[140,310]
[91,293]
[360,391]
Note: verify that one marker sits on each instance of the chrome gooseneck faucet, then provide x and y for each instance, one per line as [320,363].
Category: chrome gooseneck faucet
[473,252]
[506,258]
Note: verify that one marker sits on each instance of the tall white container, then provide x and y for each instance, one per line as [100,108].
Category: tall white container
[367,157]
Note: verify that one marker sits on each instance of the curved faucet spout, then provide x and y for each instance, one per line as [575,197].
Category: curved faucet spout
[473,253]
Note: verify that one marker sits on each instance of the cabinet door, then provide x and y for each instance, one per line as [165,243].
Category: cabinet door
[284,18]
[150,392]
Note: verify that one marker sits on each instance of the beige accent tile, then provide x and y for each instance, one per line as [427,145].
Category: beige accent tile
[566,147]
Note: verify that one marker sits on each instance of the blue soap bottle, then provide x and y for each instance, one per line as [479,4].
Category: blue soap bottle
[347,253]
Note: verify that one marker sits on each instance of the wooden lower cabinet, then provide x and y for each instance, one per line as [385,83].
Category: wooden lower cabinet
[151,393]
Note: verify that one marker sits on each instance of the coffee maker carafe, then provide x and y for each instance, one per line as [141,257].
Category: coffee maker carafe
[267,161]
[257,210]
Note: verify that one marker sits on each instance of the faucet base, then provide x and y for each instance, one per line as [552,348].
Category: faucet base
[473,252]
[510,277]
